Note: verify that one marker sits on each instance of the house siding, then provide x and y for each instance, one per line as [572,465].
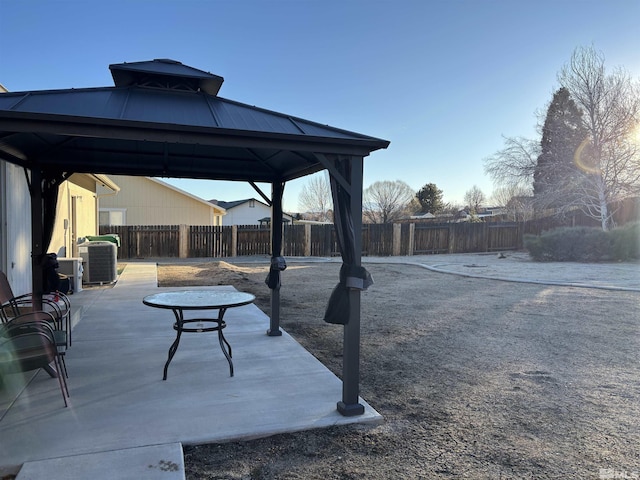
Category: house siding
[15,232]
[246,215]
[77,204]
[148,202]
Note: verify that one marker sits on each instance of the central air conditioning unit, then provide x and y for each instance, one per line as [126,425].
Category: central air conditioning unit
[100,262]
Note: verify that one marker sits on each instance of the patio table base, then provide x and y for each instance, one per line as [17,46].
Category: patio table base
[179,327]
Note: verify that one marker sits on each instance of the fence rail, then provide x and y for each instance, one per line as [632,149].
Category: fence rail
[159,241]
[379,240]
[407,238]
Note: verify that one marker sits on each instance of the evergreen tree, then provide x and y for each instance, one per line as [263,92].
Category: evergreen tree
[556,177]
[430,198]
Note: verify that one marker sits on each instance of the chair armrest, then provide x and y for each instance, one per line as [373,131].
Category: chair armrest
[30,322]
[27,301]
[39,316]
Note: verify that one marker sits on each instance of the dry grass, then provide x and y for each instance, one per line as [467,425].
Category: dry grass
[475,378]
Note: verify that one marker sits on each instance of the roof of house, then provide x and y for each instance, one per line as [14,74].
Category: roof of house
[234,203]
[106,182]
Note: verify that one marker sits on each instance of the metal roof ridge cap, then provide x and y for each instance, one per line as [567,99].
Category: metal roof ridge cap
[124,104]
[208,98]
[20,100]
[297,125]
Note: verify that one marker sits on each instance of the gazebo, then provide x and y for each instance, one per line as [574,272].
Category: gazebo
[165,119]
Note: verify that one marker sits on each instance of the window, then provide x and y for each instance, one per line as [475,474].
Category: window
[252,203]
[112,216]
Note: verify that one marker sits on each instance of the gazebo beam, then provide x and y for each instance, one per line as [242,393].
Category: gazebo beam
[37,228]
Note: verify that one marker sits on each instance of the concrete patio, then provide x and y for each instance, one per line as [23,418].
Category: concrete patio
[123,421]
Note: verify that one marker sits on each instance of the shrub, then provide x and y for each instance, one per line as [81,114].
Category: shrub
[625,242]
[566,244]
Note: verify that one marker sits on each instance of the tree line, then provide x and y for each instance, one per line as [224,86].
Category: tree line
[587,157]
[588,153]
[387,201]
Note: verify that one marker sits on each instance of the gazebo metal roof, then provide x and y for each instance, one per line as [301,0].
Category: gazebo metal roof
[161,116]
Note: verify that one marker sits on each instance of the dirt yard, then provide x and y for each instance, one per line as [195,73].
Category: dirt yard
[477,379]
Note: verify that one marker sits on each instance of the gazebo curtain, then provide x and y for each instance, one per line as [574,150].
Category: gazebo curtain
[352,276]
[277,261]
[43,189]
[50,188]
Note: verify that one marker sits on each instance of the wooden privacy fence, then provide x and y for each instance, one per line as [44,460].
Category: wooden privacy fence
[380,240]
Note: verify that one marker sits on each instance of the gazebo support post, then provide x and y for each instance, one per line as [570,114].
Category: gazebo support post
[37,228]
[277,191]
[349,405]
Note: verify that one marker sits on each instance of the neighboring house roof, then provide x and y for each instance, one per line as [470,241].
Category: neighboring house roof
[235,203]
[267,220]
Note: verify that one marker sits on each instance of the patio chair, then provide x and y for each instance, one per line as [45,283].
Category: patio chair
[55,303]
[30,345]
[10,324]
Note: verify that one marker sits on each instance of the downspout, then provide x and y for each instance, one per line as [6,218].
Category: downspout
[114,191]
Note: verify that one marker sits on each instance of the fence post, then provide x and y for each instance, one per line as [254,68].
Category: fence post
[307,239]
[396,246]
[234,241]
[485,236]
[183,241]
[520,241]
[328,240]
[412,238]
[452,238]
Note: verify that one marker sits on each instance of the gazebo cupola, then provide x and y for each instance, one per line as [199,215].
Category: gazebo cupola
[165,74]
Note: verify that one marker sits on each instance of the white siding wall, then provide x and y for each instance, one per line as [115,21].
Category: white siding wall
[15,233]
[246,215]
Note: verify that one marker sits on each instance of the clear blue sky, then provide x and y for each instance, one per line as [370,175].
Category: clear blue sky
[442,80]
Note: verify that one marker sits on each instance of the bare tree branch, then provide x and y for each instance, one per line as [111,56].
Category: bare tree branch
[513,166]
[387,201]
[315,198]
[611,110]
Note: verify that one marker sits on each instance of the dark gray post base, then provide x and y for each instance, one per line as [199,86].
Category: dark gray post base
[274,333]
[350,410]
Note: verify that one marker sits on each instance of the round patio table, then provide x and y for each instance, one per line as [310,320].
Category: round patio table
[185,300]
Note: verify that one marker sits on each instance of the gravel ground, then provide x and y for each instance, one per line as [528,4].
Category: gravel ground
[476,378]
